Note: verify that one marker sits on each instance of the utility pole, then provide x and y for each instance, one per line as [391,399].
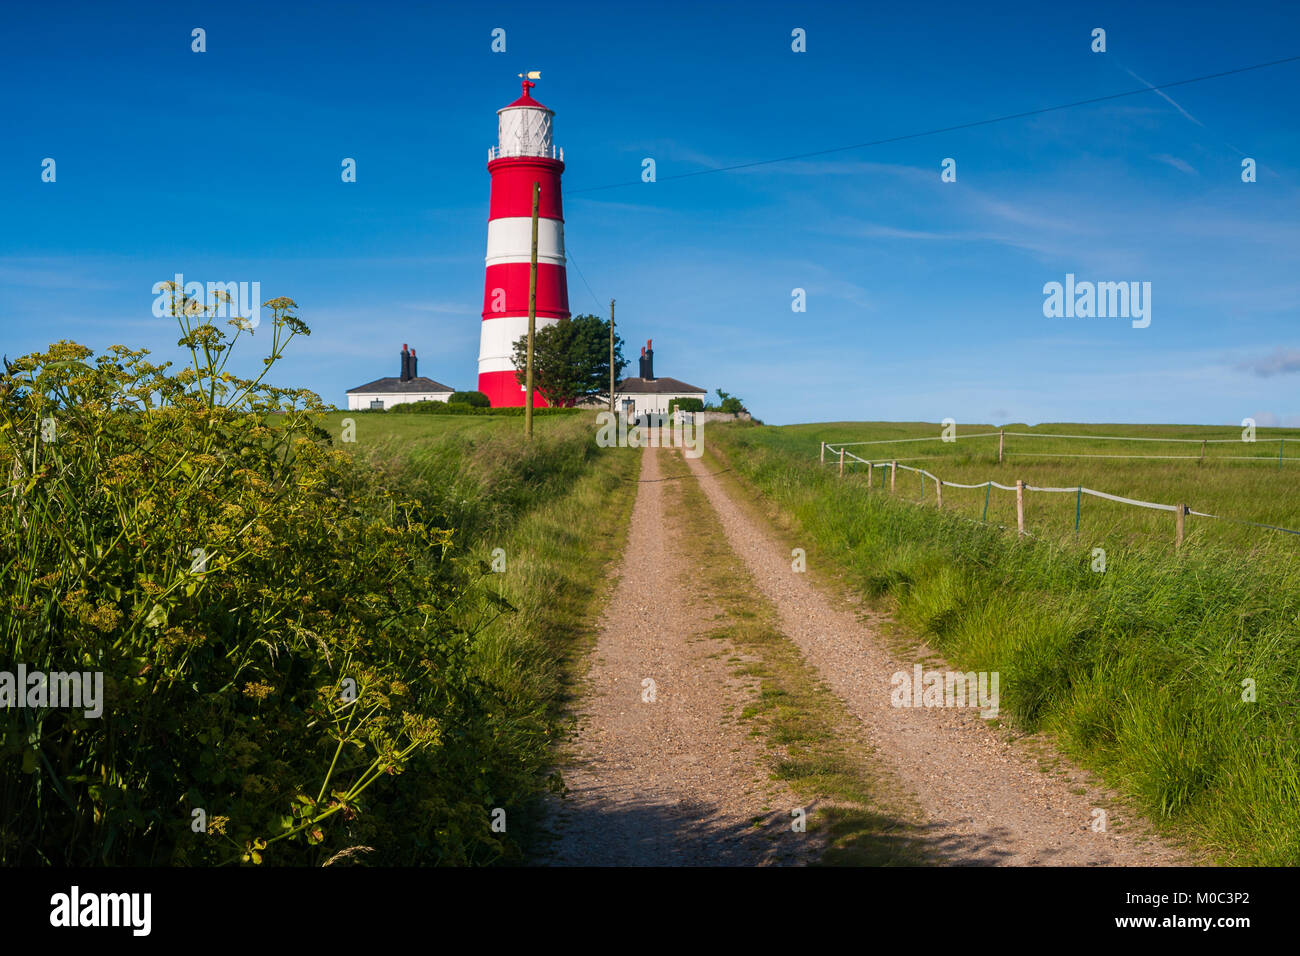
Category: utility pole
[532,321]
[611,355]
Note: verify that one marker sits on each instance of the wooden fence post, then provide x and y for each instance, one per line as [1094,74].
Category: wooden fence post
[1202,449]
[1178,525]
[868,474]
[1020,506]
[1000,437]
[938,492]
[893,473]
[841,462]
[823,453]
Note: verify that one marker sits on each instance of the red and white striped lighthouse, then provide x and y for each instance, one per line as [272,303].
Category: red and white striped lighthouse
[524,154]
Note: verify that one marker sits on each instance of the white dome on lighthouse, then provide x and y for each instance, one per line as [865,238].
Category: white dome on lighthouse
[524,128]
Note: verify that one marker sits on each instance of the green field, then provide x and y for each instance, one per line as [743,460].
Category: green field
[1174,674]
[1259,489]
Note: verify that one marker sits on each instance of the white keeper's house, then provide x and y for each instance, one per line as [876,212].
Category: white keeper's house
[637,396]
[408,387]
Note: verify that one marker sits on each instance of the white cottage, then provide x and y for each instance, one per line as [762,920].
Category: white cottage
[637,396]
[408,387]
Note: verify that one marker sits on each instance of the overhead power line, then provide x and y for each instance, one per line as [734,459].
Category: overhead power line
[569,255]
[948,129]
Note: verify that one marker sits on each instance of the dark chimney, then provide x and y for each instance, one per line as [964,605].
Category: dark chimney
[649,361]
[642,365]
[414,373]
[406,363]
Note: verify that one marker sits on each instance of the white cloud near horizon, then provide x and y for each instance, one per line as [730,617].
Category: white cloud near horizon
[1280,362]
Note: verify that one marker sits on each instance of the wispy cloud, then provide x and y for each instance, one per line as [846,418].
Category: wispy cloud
[1174,161]
[864,170]
[605,205]
[676,152]
[876,231]
[1164,96]
[53,273]
[1273,420]
[1281,362]
[442,308]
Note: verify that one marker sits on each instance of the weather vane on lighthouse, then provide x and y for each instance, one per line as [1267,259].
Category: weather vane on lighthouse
[526,77]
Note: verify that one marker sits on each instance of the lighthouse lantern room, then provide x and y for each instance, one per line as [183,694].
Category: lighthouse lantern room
[525,154]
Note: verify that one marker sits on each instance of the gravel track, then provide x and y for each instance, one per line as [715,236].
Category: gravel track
[985,799]
[678,781]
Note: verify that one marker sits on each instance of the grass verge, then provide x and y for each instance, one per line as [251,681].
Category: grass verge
[555,515]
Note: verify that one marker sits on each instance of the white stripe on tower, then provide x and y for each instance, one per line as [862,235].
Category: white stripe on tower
[497,343]
[511,240]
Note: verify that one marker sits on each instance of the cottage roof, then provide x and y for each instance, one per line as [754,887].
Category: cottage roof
[656,386]
[394,384]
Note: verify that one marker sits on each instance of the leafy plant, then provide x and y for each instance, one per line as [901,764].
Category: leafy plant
[686,405]
[570,359]
[728,403]
[477,399]
[284,677]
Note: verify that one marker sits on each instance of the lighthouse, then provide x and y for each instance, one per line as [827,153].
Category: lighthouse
[525,154]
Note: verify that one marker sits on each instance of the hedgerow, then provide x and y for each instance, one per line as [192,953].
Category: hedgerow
[285,677]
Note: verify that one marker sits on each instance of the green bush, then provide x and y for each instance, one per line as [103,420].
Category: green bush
[686,405]
[518,411]
[431,407]
[272,626]
[727,403]
[464,408]
[477,399]
[731,405]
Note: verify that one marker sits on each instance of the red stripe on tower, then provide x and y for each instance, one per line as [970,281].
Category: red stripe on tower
[524,154]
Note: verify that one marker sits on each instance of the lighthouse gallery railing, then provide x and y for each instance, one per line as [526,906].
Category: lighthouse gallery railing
[552,152]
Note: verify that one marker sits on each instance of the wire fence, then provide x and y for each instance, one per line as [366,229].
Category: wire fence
[1002,435]
[889,469]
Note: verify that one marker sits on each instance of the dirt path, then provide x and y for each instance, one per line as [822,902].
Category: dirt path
[985,799]
[676,781]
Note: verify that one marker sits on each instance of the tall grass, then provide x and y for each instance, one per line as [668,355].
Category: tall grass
[1139,670]
[554,512]
[476,472]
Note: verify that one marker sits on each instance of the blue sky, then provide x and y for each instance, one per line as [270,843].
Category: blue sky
[924,298]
